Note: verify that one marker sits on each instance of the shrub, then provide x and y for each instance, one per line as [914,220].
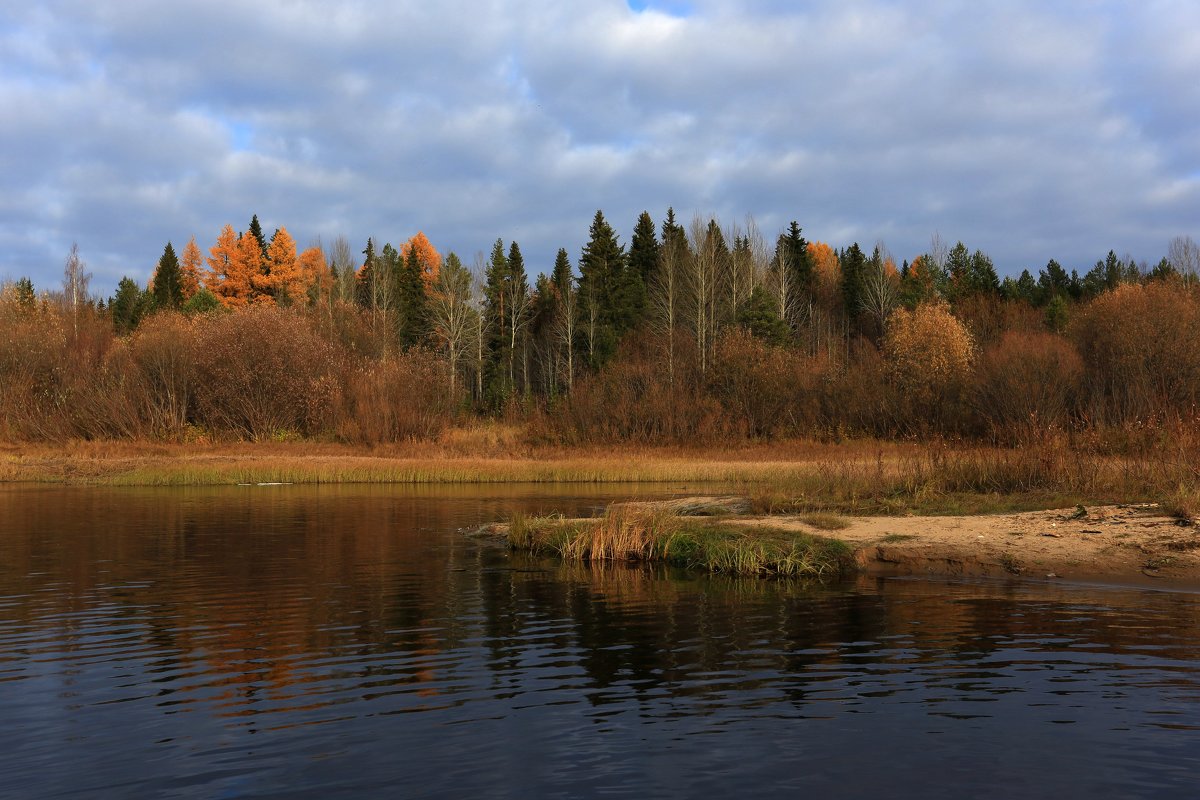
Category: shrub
[163,353]
[402,397]
[928,352]
[634,399]
[262,372]
[1027,381]
[763,389]
[1141,351]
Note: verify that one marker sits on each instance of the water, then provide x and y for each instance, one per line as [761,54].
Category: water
[349,642]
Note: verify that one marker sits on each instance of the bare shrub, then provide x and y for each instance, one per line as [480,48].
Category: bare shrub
[854,399]
[163,353]
[634,399]
[1141,352]
[52,370]
[402,397]
[262,372]
[764,390]
[1027,381]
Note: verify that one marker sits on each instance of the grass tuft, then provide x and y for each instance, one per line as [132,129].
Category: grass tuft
[625,534]
[825,521]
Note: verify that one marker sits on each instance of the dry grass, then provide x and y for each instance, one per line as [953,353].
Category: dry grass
[825,521]
[797,477]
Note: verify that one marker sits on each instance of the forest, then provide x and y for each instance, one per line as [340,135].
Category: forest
[694,334]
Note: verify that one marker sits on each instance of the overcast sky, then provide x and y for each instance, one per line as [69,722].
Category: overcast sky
[1030,129]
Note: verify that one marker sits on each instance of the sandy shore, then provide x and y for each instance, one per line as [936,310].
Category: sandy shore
[1124,544]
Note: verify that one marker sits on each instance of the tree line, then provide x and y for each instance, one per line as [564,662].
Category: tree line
[691,332]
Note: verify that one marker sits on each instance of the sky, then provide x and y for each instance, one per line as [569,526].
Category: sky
[1030,129]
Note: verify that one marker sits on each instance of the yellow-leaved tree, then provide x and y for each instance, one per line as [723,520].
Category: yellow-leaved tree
[929,354]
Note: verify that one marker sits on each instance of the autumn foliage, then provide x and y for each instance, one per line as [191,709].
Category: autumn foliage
[692,339]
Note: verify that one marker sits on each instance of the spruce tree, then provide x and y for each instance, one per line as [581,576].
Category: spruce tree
[256,231]
[497,303]
[854,267]
[796,249]
[604,300]
[413,302]
[25,294]
[519,310]
[643,248]
[128,306]
[366,277]
[168,291]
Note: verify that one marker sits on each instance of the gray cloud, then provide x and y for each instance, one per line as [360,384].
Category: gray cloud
[1030,130]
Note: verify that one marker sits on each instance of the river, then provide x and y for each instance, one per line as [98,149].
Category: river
[350,641]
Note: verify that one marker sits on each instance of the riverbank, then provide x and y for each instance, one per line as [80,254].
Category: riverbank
[857,478]
[1132,543]
[491,455]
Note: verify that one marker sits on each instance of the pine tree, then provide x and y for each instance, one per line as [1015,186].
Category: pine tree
[1053,281]
[168,293]
[983,278]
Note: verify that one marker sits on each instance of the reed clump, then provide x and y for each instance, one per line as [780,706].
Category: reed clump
[625,534]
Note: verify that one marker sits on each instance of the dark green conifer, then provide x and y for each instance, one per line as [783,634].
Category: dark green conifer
[168,292]
[25,295]
[256,231]
[413,303]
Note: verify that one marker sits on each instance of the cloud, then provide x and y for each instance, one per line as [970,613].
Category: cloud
[1030,130]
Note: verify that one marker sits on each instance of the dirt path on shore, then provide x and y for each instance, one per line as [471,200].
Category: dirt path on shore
[1126,543]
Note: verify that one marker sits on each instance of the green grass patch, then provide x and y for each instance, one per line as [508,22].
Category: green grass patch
[656,536]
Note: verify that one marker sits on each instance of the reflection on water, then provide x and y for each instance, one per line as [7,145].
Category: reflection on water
[342,641]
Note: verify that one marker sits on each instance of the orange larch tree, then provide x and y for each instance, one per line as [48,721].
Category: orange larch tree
[427,256]
[254,268]
[226,278]
[316,275]
[189,269]
[285,279]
